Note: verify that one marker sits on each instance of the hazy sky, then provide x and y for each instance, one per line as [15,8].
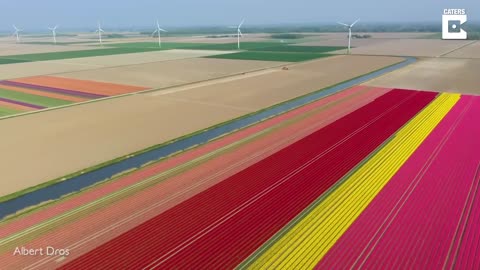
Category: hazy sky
[115,13]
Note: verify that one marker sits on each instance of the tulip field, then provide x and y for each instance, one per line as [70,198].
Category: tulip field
[368,178]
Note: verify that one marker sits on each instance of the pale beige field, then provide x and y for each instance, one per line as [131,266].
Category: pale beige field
[19,70]
[140,58]
[343,42]
[379,35]
[170,73]
[472,50]
[7,49]
[262,91]
[12,71]
[78,137]
[438,74]
[188,39]
[411,47]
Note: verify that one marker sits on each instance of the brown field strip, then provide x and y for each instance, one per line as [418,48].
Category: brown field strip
[92,87]
[14,106]
[43,93]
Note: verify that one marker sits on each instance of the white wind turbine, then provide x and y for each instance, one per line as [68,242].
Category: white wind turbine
[17,33]
[54,33]
[99,31]
[159,31]
[349,33]
[239,32]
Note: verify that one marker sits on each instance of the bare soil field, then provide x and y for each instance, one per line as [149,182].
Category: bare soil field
[343,41]
[170,73]
[140,58]
[411,47]
[190,39]
[20,70]
[470,51]
[77,137]
[7,49]
[438,74]
[374,35]
[261,91]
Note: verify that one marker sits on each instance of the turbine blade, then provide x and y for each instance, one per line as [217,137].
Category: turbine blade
[158,24]
[163,30]
[344,24]
[354,22]
[240,33]
[240,25]
[154,32]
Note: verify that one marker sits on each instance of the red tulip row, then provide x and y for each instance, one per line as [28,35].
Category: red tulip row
[224,224]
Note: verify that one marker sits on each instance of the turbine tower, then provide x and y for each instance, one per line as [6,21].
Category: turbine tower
[349,33]
[239,33]
[159,30]
[99,31]
[54,33]
[17,33]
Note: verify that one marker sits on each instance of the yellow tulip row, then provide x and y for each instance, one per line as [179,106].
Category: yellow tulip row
[304,245]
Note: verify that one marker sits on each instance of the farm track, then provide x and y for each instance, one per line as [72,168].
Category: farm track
[309,240]
[248,210]
[333,108]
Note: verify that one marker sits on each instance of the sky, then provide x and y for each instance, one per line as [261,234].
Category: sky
[34,14]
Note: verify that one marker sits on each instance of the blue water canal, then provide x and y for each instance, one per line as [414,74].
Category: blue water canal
[85,180]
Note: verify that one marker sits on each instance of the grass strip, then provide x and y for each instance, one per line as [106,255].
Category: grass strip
[5,61]
[32,99]
[7,111]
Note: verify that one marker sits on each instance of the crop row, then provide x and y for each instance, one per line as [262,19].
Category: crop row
[234,217]
[308,241]
[102,225]
[428,214]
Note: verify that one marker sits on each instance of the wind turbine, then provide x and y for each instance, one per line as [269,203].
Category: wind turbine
[54,33]
[239,32]
[17,33]
[159,30]
[349,32]
[99,31]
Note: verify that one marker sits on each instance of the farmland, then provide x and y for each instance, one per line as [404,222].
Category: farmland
[442,74]
[280,155]
[366,182]
[35,93]
[196,107]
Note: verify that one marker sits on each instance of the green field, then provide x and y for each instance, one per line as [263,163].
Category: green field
[32,99]
[250,50]
[58,43]
[196,46]
[7,111]
[77,54]
[270,56]
[4,61]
